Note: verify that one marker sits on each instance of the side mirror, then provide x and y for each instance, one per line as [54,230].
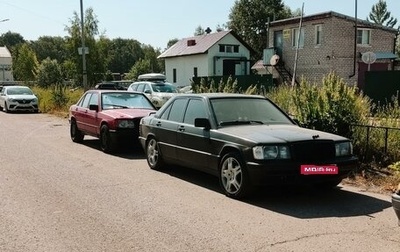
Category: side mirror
[147,91]
[202,123]
[94,107]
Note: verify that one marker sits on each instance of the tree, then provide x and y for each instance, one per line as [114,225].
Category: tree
[96,61]
[123,53]
[25,63]
[172,42]
[11,40]
[199,31]
[142,66]
[151,54]
[49,73]
[380,15]
[249,19]
[50,47]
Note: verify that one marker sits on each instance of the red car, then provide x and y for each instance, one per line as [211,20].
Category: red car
[112,116]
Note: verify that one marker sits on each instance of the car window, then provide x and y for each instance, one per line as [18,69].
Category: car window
[94,99]
[239,110]
[164,88]
[133,87]
[146,88]
[195,109]
[140,87]
[125,100]
[85,101]
[19,91]
[177,110]
[165,113]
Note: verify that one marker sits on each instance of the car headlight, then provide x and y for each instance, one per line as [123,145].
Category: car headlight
[271,152]
[125,124]
[343,149]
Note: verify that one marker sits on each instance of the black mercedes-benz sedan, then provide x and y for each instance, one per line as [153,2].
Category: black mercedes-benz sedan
[245,140]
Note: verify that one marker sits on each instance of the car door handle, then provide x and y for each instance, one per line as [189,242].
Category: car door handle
[158,124]
[181,128]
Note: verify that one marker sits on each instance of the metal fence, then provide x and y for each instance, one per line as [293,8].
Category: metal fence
[383,133]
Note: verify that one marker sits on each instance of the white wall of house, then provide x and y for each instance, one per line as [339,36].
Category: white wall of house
[216,57]
[210,63]
[5,65]
[185,68]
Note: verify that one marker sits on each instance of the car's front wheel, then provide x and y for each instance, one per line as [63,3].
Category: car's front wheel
[153,154]
[5,107]
[233,176]
[106,143]
[76,134]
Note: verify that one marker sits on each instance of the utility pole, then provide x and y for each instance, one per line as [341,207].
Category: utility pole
[84,73]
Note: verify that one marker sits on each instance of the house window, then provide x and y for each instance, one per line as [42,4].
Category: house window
[229,48]
[363,37]
[295,38]
[318,34]
[195,71]
[174,75]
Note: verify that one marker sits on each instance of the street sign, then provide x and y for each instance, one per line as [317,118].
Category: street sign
[80,50]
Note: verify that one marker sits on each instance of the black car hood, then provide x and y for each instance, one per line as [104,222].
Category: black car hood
[277,133]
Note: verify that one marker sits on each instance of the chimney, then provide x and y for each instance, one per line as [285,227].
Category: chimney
[191,42]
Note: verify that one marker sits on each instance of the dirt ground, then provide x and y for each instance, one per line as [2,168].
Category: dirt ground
[384,180]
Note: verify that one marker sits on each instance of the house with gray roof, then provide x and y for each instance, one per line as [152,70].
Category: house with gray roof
[221,53]
[331,42]
[5,65]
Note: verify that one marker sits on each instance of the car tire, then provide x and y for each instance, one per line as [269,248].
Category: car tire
[76,135]
[5,108]
[233,176]
[153,155]
[106,143]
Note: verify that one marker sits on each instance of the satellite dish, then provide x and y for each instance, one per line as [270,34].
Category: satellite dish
[274,59]
[368,58]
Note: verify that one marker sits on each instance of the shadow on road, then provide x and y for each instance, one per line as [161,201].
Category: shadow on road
[131,151]
[298,202]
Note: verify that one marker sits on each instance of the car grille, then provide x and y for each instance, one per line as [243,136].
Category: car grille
[24,101]
[312,151]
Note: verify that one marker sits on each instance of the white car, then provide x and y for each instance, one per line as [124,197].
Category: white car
[157,91]
[18,98]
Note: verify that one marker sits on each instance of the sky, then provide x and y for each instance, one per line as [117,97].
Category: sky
[151,22]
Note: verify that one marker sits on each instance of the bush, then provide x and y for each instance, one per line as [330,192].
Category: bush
[332,106]
[230,86]
[56,99]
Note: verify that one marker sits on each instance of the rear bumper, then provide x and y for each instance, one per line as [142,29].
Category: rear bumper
[289,172]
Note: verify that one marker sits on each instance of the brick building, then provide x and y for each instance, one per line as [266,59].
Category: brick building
[327,43]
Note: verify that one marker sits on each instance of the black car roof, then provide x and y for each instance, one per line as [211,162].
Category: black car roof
[221,95]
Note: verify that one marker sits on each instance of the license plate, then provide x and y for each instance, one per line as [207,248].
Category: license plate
[319,169]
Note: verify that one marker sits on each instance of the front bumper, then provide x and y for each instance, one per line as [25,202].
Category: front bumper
[17,106]
[287,172]
[124,136]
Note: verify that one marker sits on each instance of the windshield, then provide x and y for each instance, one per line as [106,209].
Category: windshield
[164,88]
[124,100]
[233,111]
[19,91]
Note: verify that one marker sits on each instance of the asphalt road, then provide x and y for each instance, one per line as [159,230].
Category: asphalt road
[57,195]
